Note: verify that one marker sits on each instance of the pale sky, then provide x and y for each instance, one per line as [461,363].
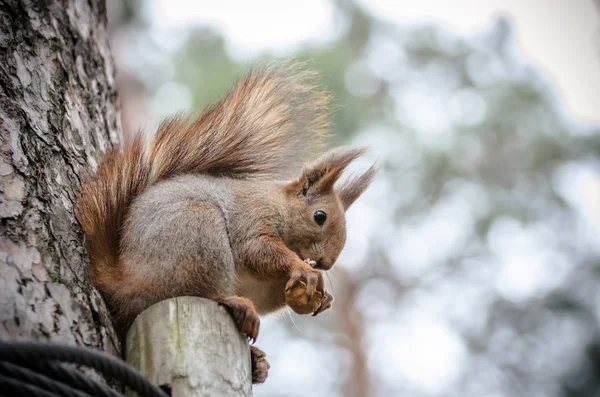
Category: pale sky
[561,37]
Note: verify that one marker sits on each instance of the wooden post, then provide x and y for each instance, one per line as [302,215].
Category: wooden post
[192,346]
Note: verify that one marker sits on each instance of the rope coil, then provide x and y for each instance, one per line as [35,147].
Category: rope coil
[34,369]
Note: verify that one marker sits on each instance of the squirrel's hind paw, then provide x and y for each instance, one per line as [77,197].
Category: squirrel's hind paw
[260,366]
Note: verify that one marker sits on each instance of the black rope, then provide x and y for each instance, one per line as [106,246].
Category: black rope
[13,388]
[31,368]
[73,378]
[35,379]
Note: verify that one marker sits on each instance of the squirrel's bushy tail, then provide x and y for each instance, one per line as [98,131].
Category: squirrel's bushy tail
[265,128]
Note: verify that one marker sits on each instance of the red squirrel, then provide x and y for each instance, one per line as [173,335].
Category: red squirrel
[223,206]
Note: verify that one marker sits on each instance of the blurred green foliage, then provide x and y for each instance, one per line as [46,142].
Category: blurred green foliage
[473,140]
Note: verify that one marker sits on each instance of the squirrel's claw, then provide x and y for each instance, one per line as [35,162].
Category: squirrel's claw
[326,302]
[312,279]
[244,315]
[260,366]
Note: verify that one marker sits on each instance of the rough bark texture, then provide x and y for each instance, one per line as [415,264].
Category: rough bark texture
[193,346]
[57,111]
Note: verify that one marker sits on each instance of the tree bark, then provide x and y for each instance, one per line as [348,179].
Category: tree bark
[57,113]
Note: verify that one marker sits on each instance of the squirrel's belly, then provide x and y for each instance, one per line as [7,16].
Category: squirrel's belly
[267,295]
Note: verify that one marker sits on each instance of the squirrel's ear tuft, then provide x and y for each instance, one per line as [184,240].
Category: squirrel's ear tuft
[319,176]
[352,188]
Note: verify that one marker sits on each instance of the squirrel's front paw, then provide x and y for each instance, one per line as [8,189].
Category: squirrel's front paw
[326,302]
[305,292]
[244,315]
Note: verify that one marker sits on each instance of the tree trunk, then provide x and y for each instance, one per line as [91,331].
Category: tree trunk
[57,113]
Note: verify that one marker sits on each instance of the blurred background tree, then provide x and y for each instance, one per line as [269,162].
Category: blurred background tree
[472,265]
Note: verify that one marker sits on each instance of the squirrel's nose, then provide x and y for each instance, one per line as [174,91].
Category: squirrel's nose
[323,264]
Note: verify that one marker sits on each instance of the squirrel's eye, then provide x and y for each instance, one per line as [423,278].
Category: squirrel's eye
[320,217]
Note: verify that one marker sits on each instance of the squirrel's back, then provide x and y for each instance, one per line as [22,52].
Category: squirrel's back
[265,128]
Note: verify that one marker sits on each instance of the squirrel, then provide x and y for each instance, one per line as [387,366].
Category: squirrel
[225,206]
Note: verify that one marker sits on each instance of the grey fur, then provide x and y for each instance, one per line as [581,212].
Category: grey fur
[183,230]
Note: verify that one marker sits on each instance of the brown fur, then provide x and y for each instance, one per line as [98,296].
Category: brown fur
[208,207]
[263,129]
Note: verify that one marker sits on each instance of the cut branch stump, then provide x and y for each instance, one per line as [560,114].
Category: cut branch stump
[191,346]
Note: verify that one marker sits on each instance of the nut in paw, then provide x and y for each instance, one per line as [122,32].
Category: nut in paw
[297,299]
[305,292]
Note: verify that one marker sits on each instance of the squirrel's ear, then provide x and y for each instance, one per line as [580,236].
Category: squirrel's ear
[352,188]
[320,175]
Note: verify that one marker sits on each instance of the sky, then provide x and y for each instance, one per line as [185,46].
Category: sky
[560,37]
